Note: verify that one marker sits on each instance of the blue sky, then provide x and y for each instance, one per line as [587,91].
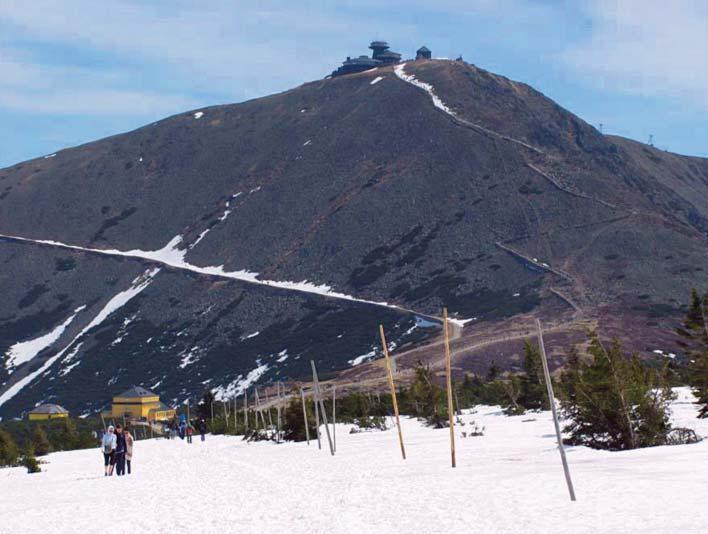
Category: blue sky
[77,70]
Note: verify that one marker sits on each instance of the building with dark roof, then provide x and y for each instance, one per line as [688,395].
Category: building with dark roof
[423,53]
[357,64]
[44,412]
[389,57]
[381,55]
[378,48]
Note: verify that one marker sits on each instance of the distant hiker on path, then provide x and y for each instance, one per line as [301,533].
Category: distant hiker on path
[108,445]
[182,427]
[128,448]
[201,426]
[119,454]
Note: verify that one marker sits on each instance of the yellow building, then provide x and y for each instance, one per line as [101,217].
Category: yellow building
[140,403]
[44,412]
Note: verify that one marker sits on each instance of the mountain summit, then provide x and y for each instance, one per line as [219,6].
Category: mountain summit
[228,246]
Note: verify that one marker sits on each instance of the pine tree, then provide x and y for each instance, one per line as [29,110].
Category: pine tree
[694,341]
[569,377]
[9,453]
[68,438]
[493,372]
[614,402]
[40,442]
[426,400]
[294,423]
[30,461]
[533,393]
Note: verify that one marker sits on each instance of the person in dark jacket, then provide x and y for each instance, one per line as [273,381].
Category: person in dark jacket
[201,426]
[119,454]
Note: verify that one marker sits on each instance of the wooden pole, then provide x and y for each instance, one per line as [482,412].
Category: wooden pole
[211,405]
[277,390]
[448,374]
[317,420]
[187,411]
[235,413]
[334,416]
[270,416]
[260,411]
[103,421]
[393,390]
[304,416]
[324,412]
[245,410]
[552,402]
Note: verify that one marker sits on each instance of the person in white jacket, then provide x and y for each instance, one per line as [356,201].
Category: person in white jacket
[108,447]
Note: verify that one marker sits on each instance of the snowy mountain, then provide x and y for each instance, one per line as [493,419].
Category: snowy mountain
[230,245]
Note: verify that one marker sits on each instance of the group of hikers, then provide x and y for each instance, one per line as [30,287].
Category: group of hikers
[185,429]
[117,448]
[117,443]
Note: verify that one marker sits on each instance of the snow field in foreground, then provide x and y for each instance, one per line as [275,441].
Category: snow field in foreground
[509,480]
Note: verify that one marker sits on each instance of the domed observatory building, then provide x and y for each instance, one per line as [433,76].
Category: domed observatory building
[45,412]
[382,53]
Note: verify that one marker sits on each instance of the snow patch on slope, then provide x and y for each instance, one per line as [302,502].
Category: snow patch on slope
[118,301]
[222,218]
[173,256]
[69,357]
[189,358]
[249,336]
[238,386]
[25,351]
[363,358]
[409,78]
[376,80]
[461,322]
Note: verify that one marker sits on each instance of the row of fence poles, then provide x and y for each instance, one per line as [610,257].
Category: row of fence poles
[320,411]
[450,406]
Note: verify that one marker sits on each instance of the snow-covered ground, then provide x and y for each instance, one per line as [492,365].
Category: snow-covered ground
[509,480]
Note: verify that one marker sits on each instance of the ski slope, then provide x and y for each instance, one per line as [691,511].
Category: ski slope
[509,480]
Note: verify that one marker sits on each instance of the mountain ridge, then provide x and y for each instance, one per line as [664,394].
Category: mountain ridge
[497,204]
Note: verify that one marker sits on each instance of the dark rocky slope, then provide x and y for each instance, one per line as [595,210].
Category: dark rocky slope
[368,188]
